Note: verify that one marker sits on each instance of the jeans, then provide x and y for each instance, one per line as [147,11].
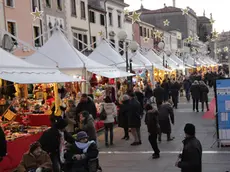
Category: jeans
[153,142]
[195,104]
[187,95]
[109,128]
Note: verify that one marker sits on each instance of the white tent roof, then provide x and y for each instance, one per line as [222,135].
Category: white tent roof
[58,51]
[190,61]
[155,60]
[16,70]
[107,55]
[141,60]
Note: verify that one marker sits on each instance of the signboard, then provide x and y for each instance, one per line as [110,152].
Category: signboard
[223,108]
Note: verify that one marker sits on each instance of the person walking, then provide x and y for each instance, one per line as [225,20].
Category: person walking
[134,119]
[186,85]
[110,110]
[166,117]
[191,158]
[165,86]
[70,117]
[123,116]
[151,120]
[175,88]
[158,93]
[204,95]
[140,98]
[195,92]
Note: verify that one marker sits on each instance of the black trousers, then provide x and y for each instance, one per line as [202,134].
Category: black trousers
[202,105]
[153,142]
[175,101]
[55,163]
[108,131]
[195,104]
[126,131]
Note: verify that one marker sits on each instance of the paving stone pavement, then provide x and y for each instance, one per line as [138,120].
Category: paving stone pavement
[124,158]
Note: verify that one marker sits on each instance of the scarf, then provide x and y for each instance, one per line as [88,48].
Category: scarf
[84,146]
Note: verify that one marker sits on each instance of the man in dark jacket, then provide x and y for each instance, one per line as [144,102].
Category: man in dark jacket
[140,98]
[195,92]
[151,120]
[134,119]
[191,158]
[3,146]
[187,84]
[86,104]
[158,93]
[175,88]
[53,142]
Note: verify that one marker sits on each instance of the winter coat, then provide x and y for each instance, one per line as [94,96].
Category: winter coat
[195,91]
[166,115]
[186,85]
[148,92]
[88,106]
[87,151]
[134,114]
[88,126]
[151,120]
[70,118]
[175,87]
[158,93]
[50,140]
[123,114]
[30,162]
[111,111]
[204,93]
[140,98]
[191,158]
[3,143]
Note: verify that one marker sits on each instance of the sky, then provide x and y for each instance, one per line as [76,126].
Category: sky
[220,9]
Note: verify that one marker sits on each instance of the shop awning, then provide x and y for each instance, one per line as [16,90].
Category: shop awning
[59,52]
[17,70]
[107,55]
[189,61]
[156,60]
[140,60]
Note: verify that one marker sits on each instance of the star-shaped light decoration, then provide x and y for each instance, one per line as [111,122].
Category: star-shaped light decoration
[189,39]
[196,38]
[146,40]
[194,49]
[126,12]
[208,37]
[212,21]
[218,50]
[37,14]
[185,11]
[158,34]
[166,22]
[225,49]
[215,34]
[135,17]
[101,34]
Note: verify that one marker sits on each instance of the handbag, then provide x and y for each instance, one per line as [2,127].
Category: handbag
[103,114]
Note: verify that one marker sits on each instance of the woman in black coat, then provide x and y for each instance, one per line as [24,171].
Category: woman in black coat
[2,144]
[195,92]
[123,116]
[204,95]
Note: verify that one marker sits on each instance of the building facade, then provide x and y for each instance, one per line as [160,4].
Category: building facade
[20,23]
[2,20]
[115,20]
[222,42]
[186,24]
[54,12]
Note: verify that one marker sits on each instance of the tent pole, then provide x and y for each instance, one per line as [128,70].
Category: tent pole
[57,101]
[84,83]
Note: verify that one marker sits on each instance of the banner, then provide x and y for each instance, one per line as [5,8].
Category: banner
[223,108]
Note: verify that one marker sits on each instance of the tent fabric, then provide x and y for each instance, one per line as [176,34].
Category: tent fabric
[17,70]
[141,60]
[107,55]
[58,51]
[156,60]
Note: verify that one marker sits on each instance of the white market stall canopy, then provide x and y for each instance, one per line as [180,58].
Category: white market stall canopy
[140,60]
[189,61]
[105,54]
[59,52]
[156,60]
[179,62]
[17,70]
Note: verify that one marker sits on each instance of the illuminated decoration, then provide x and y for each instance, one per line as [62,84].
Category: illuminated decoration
[196,38]
[194,49]
[208,37]
[135,17]
[212,21]
[225,49]
[215,34]
[126,12]
[101,34]
[37,14]
[189,39]
[146,40]
[185,11]
[166,22]
[158,34]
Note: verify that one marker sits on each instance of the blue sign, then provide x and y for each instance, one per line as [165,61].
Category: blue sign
[223,107]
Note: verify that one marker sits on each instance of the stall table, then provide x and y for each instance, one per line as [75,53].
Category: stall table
[36,119]
[15,150]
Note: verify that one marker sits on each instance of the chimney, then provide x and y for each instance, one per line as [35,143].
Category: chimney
[174,3]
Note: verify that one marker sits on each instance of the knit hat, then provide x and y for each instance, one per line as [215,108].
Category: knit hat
[85,114]
[81,135]
[190,129]
[34,146]
[60,123]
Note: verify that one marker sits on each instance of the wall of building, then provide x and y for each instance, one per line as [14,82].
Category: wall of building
[2,20]
[20,14]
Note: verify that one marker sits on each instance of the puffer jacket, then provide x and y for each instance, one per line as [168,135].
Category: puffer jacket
[111,111]
[88,126]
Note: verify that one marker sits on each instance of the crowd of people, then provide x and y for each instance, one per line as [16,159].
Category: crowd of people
[71,143]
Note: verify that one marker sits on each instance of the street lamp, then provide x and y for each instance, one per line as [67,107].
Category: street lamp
[161,46]
[133,46]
